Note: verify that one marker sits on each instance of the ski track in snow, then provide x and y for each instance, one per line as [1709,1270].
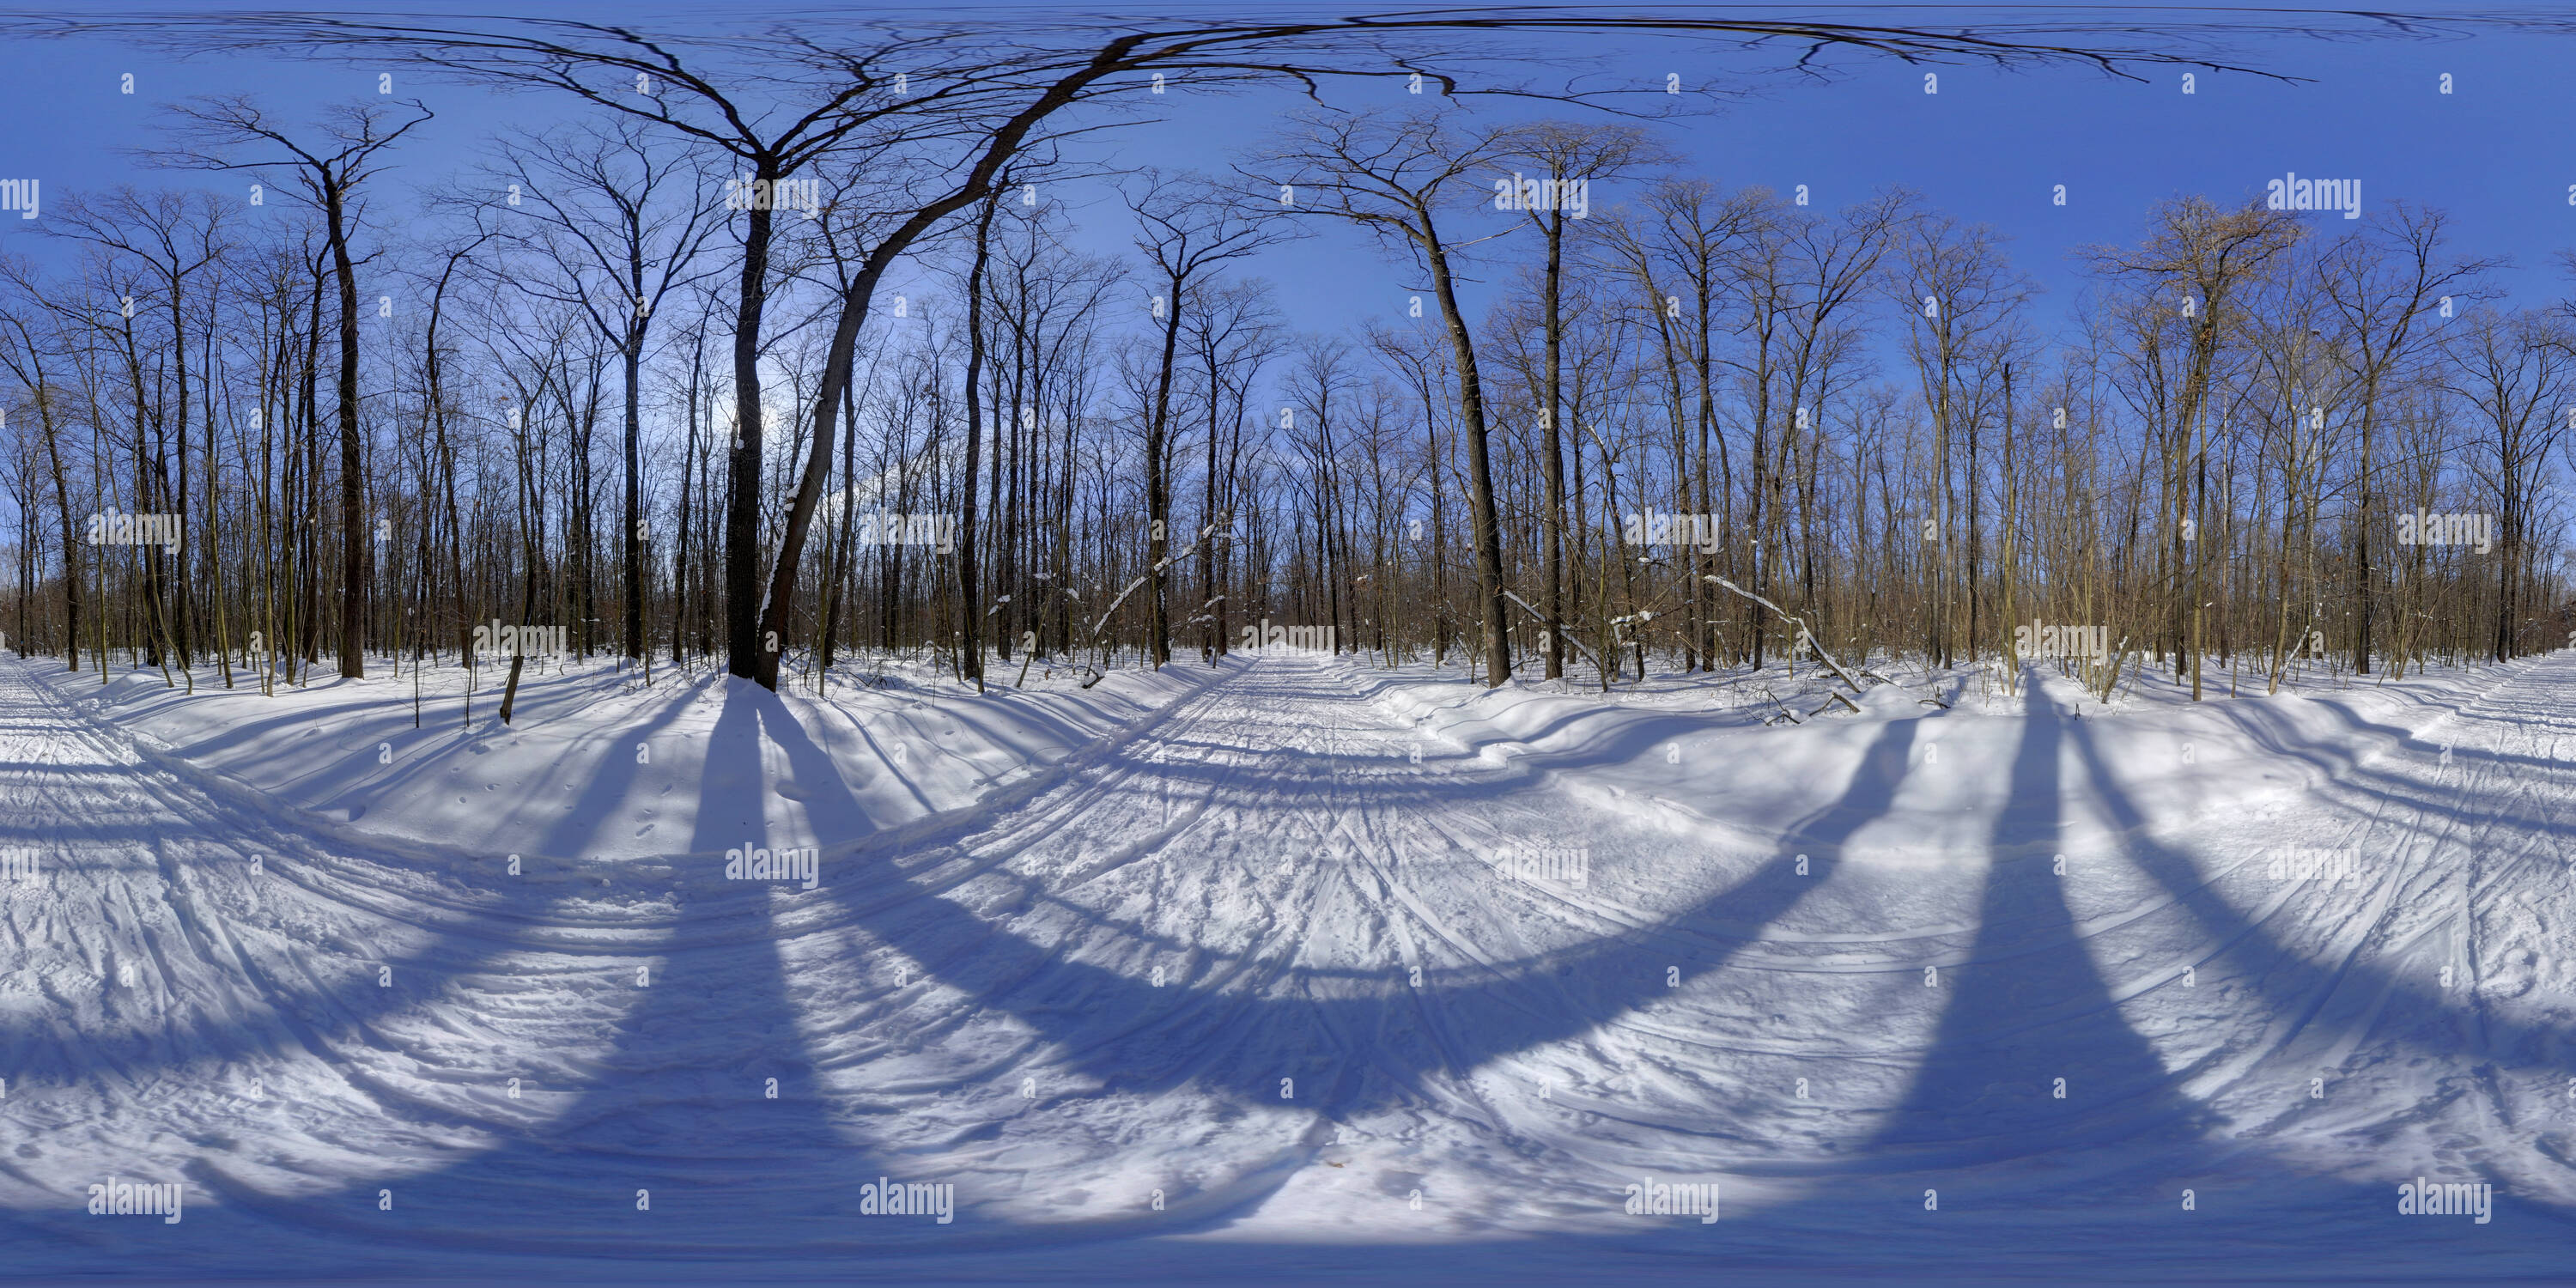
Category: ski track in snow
[1258,956]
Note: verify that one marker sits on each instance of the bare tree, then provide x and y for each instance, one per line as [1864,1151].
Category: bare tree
[1186,227]
[622,217]
[233,133]
[1565,154]
[1397,175]
[2204,256]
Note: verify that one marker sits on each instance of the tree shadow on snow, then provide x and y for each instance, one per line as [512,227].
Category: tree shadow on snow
[681,1105]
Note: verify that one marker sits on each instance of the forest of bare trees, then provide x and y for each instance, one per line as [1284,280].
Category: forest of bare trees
[795,390]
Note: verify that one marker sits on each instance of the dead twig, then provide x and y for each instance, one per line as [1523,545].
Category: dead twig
[1805,636]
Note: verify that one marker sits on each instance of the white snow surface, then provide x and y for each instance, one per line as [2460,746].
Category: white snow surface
[1288,970]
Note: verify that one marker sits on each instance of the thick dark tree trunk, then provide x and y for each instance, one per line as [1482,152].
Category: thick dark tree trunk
[970,623]
[1489,537]
[632,637]
[353,528]
[746,652]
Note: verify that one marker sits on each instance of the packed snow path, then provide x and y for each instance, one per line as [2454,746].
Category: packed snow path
[1283,965]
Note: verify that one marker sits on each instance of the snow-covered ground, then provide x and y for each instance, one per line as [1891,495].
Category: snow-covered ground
[1289,970]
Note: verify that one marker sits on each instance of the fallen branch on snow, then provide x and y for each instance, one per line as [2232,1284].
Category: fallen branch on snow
[1805,636]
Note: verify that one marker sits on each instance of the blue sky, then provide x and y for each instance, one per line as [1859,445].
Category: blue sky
[1988,147]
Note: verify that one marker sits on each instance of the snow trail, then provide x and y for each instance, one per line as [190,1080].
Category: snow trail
[1278,964]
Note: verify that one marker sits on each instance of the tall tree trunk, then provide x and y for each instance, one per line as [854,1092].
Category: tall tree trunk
[631,636]
[353,534]
[1553,433]
[746,653]
[970,621]
[1158,490]
[1471,401]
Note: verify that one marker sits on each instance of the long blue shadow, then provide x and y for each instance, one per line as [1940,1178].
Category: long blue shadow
[1369,1050]
[2031,1051]
[680,1104]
